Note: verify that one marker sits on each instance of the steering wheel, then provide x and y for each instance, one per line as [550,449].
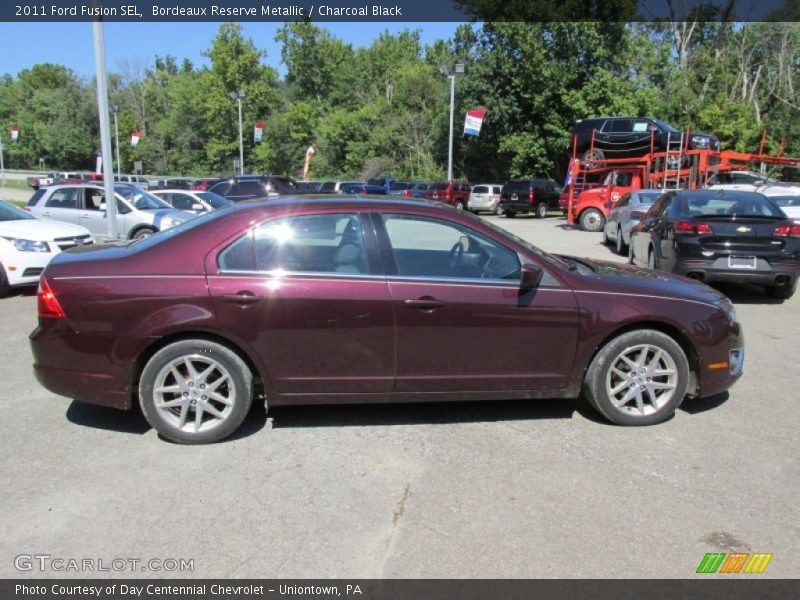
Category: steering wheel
[455,255]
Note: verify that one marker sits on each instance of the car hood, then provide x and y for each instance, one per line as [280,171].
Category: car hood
[40,230]
[629,279]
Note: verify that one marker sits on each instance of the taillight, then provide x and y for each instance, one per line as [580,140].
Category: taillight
[699,228]
[638,214]
[531,196]
[407,193]
[48,305]
[787,231]
[363,191]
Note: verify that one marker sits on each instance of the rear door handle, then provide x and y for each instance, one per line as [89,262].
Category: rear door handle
[241,298]
[425,303]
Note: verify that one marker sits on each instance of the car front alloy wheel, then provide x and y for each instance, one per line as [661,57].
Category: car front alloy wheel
[638,378]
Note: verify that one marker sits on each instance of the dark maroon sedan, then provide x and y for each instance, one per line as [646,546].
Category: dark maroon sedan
[377,300]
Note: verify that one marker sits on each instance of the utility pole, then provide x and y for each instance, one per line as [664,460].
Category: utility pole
[2,164]
[115,108]
[238,97]
[105,134]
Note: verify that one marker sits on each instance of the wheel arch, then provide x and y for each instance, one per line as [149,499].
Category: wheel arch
[259,377]
[692,356]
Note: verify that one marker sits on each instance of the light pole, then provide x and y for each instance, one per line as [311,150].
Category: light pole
[238,97]
[457,70]
[115,110]
[2,164]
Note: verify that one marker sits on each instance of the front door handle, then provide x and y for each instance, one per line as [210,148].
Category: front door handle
[424,303]
[241,298]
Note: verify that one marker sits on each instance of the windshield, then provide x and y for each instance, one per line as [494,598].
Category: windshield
[215,200]
[665,126]
[551,258]
[140,199]
[9,212]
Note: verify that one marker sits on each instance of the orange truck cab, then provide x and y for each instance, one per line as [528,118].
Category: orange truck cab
[592,206]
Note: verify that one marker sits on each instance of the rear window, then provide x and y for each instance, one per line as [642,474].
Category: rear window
[438,186]
[786,201]
[480,189]
[516,186]
[721,206]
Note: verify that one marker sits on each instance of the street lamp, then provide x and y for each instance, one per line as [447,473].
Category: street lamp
[115,110]
[238,97]
[458,69]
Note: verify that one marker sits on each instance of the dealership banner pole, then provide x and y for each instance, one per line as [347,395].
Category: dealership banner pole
[105,128]
[450,147]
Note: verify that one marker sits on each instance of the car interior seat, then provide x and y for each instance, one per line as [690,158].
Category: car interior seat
[349,256]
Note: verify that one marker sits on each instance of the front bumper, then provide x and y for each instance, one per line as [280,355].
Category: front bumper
[24,268]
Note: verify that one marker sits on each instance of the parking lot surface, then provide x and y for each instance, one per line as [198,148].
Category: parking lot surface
[503,489]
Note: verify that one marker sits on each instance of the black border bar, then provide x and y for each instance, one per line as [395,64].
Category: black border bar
[401,11]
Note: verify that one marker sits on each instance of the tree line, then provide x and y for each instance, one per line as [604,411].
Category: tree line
[384,108]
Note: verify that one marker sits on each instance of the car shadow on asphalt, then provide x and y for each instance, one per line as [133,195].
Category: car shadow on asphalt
[21,292]
[745,293]
[695,406]
[110,419]
[424,413]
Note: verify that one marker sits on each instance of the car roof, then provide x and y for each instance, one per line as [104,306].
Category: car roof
[355,202]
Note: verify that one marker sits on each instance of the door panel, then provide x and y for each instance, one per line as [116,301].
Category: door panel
[483,337]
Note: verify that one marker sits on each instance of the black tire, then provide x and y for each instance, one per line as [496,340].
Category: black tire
[652,260]
[5,287]
[142,232]
[605,237]
[619,243]
[239,392]
[630,253]
[782,292]
[592,220]
[593,156]
[541,210]
[599,377]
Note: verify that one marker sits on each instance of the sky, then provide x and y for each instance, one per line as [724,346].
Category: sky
[23,45]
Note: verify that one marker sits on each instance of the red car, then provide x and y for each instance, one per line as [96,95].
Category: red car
[346,301]
[450,192]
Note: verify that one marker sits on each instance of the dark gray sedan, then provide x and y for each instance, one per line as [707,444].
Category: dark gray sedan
[630,209]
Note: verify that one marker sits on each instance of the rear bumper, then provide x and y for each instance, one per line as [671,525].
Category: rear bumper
[94,388]
[515,207]
[482,204]
[717,271]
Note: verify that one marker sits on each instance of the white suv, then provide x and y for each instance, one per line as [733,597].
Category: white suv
[139,213]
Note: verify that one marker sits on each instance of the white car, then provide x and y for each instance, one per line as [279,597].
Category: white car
[27,244]
[744,181]
[785,196]
[195,201]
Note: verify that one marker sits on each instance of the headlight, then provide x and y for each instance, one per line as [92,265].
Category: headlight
[729,309]
[28,245]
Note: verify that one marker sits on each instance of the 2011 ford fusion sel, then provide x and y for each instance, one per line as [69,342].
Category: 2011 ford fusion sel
[370,300]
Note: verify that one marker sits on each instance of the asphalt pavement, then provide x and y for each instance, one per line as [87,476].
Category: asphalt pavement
[504,489]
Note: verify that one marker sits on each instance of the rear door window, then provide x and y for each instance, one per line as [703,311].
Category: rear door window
[63,198]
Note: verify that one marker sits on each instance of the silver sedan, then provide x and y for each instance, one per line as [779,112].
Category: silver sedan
[630,209]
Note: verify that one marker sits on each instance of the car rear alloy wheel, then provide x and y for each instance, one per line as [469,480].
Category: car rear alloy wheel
[195,391]
[541,211]
[652,262]
[592,220]
[460,205]
[639,378]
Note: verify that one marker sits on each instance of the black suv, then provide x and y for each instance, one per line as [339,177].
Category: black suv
[255,187]
[522,196]
[628,137]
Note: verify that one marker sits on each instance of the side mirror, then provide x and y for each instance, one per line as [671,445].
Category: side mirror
[531,277]
[102,206]
[198,207]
